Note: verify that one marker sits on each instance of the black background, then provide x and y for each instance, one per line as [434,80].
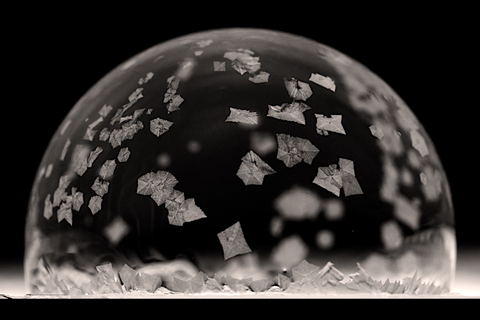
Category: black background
[52,56]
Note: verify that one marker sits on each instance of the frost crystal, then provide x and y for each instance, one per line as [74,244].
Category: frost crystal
[60,193]
[65,211]
[48,207]
[233,242]
[159,126]
[133,98]
[174,200]
[130,129]
[333,179]
[127,132]
[323,81]
[261,77]
[304,270]
[332,124]
[93,156]
[136,95]
[186,211]
[78,162]
[100,187]
[218,66]
[89,134]
[105,110]
[161,195]
[95,123]
[117,116]
[243,61]
[350,183]
[95,204]
[123,154]
[298,90]
[107,169]
[293,150]
[289,112]
[253,169]
[77,199]
[104,134]
[153,181]
[244,116]
[170,97]
[115,138]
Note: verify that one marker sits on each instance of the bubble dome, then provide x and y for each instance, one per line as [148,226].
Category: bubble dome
[240,161]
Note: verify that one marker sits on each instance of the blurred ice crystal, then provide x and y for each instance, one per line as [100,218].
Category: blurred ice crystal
[376,132]
[116,230]
[146,78]
[290,251]
[298,203]
[204,43]
[325,239]
[287,164]
[419,143]
[262,142]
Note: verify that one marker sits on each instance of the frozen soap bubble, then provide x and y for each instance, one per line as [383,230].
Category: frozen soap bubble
[240,161]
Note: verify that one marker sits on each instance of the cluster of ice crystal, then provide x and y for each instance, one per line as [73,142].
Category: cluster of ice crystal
[306,278]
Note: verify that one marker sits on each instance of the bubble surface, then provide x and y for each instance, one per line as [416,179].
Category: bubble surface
[221,162]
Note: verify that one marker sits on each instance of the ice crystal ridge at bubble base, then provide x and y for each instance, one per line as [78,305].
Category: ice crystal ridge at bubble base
[224,163]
